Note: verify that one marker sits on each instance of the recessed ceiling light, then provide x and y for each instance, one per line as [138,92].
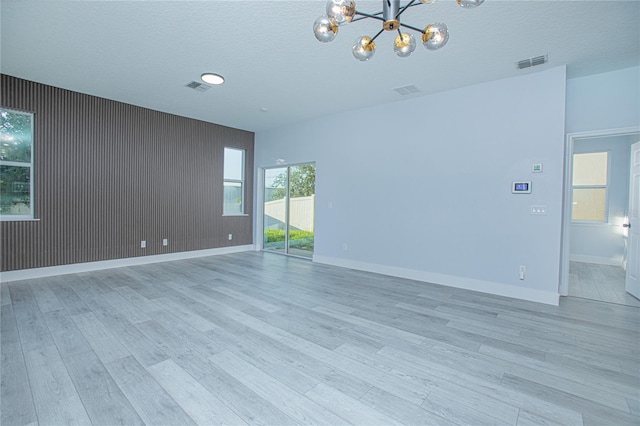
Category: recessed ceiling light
[264,109]
[211,78]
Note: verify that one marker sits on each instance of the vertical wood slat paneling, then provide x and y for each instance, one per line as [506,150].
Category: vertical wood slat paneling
[108,175]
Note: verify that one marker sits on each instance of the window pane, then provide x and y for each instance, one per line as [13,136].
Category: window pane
[15,136]
[233,164]
[232,198]
[589,204]
[590,169]
[275,184]
[15,188]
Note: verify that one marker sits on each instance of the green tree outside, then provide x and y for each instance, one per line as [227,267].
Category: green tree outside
[302,182]
[16,139]
[15,136]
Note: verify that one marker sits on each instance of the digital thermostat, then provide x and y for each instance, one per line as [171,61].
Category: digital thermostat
[521,188]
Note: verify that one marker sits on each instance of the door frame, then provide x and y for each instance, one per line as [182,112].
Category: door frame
[258,203]
[563,284]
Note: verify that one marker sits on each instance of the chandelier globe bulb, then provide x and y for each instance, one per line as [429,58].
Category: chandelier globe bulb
[364,48]
[435,36]
[469,4]
[341,11]
[325,29]
[404,45]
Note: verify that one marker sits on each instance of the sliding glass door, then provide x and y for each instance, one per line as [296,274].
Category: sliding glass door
[302,194]
[289,204]
[275,209]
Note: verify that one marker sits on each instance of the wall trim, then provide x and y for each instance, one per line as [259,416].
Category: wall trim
[499,289]
[598,260]
[27,274]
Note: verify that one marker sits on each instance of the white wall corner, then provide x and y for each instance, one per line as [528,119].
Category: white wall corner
[27,274]
[499,289]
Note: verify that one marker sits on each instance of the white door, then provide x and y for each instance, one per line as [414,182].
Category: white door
[632,284]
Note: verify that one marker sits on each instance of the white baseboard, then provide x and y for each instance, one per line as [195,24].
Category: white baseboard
[596,259]
[27,274]
[523,293]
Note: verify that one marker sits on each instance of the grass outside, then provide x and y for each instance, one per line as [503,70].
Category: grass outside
[302,240]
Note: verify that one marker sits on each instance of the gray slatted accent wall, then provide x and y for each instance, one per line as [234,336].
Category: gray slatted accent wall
[108,175]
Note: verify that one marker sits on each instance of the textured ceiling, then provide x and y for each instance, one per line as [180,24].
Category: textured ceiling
[145,52]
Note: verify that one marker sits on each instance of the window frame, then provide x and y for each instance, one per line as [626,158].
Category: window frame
[243,175]
[605,220]
[30,165]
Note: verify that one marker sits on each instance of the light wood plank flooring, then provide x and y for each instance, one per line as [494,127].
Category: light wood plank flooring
[599,282]
[257,338]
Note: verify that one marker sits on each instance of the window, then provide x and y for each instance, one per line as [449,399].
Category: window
[233,181]
[16,165]
[590,173]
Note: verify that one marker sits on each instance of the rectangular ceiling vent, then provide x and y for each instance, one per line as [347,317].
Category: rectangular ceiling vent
[407,90]
[198,86]
[532,62]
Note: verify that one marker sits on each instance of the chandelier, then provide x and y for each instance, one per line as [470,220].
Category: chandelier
[341,12]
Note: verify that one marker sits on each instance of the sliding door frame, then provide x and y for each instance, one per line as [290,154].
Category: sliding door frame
[261,196]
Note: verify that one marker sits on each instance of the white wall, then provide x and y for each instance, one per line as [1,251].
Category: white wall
[604,243]
[604,101]
[421,188]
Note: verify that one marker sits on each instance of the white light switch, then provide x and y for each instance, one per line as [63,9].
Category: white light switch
[165,242]
[539,210]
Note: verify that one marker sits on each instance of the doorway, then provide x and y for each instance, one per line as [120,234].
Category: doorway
[289,210]
[604,283]
[594,240]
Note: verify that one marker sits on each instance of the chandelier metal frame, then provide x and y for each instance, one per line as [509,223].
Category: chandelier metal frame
[340,12]
[389,24]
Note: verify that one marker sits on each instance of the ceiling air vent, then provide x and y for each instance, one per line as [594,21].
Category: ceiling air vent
[407,90]
[198,86]
[532,62]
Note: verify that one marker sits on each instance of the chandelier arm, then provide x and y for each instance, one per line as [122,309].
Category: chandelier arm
[368,15]
[412,28]
[375,15]
[405,7]
[360,18]
[376,36]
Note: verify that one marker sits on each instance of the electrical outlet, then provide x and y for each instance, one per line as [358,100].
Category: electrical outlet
[345,247]
[143,244]
[522,272]
[165,242]
[230,237]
